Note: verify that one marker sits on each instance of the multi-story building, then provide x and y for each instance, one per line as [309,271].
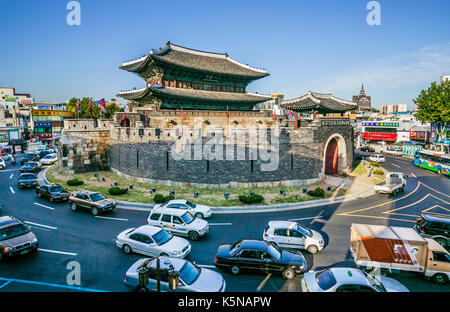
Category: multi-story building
[363,101]
[48,121]
[393,108]
[9,99]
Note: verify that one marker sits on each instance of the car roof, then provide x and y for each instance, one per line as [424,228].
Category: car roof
[87,192]
[254,244]
[5,221]
[284,224]
[165,262]
[148,229]
[172,211]
[437,217]
[176,201]
[349,275]
[27,174]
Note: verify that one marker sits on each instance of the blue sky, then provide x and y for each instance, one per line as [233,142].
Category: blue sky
[320,45]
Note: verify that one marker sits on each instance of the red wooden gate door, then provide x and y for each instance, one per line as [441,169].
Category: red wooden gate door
[331,158]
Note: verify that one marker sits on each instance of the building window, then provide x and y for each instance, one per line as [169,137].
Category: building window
[207,166]
[167,161]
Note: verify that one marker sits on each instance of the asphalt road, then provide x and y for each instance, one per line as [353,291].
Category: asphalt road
[67,236]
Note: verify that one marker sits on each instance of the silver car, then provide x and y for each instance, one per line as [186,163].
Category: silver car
[192,278]
[15,238]
[348,280]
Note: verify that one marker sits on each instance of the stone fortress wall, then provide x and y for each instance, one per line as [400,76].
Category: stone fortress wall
[144,154]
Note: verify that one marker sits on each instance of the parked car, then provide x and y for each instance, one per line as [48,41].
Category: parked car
[93,201]
[31,166]
[259,256]
[393,151]
[27,180]
[152,241]
[198,211]
[28,157]
[192,278]
[178,222]
[7,157]
[394,183]
[2,163]
[366,148]
[49,159]
[53,192]
[435,226]
[348,280]
[377,158]
[287,234]
[15,238]
[41,154]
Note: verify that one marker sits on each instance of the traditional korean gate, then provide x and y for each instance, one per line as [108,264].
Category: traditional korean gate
[331,158]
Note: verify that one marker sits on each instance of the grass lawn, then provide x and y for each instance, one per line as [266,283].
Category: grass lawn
[211,197]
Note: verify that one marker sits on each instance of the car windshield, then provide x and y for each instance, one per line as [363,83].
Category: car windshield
[275,251]
[13,231]
[375,283]
[187,218]
[29,164]
[325,279]
[192,205]
[28,156]
[96,197]
[48,156]
[56,188]
[28,176]
[235,247]
[162,237]
[304,231]
[189,273]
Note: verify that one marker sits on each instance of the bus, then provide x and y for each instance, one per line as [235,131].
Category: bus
[434,161]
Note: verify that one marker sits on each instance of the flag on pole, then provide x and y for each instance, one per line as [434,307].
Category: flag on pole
[123,117]
[146,117]
[78,106]
[102,105]
[228,114]
[182,114]
[274,115]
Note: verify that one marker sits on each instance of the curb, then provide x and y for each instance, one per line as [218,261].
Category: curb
[242,209]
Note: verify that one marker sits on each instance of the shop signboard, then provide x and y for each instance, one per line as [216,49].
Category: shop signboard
[418,135]
[380,136]
[381,124]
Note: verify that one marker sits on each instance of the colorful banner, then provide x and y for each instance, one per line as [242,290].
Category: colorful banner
[380,136]
[418,135]
[43,124]
[381,124]
[53,113]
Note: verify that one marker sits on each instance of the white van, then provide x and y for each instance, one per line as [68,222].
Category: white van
[178,222]
[377,158]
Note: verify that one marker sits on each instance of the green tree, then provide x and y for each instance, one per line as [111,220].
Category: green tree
[111,109]
[91,111]
[433,105]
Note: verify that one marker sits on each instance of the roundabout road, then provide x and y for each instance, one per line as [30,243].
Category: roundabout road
[67,236]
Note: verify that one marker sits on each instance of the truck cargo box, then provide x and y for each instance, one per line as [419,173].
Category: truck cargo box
[388,247]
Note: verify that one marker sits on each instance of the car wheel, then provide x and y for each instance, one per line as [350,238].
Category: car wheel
[199,215]
[73,206]
[312,249]
[235,269]
[126,249]
[94,211]
[288,273]
[440,278]
[192,235]
[441,241]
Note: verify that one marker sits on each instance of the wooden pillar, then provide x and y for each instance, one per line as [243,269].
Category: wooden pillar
[296,120]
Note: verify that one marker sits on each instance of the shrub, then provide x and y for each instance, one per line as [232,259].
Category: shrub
[159,199]
[168,197]
[318,192]
[117,191]
[378,171]
[251,199]
[74,182]
[374,164]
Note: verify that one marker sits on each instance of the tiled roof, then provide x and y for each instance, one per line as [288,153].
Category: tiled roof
[193,59]
[193,94]
[319,102]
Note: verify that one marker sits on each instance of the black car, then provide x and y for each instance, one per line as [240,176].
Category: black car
[27,180]
[53,192]
[434,225]
[28,157]
[367,149]
[260,256]
[30,166]
[44,153]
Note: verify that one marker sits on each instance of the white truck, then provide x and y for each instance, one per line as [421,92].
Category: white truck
[392,249]
[394,151]
[394,183]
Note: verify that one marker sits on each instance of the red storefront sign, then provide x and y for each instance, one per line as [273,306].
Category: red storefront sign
[418,135]
[380,136]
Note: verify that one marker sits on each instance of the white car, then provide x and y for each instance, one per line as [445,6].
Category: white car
[393,151]
[49,159]
[198,211]
[2,163]
[178,222]
[287,234]
[152,241]
[192,278]
[377,158]
[348,280]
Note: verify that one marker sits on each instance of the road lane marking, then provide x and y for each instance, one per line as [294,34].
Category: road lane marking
[1,286]
[375,217]
[12,191]
[58,252]
[413,175]
[396,165]
[10,177]
[220,223]
[316,217]
[109,218]
[264,282]
[47,207]
[41,225]
[436,190]
[206,266]
[11,280]
[415,203]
